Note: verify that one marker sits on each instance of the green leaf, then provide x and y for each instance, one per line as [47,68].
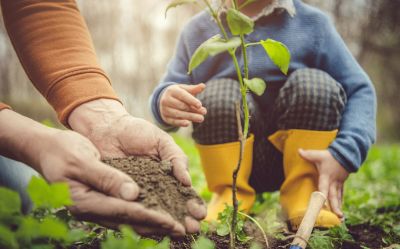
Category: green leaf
[204,227]
[255,245]
[112,243]
[60,195]
[48,228]
[203,243]
[54,229]
[147,243]
[278,53]
[10,207]
[7,238]
[164,244]
[10,203]
[256,85]
[44,195]
[176,3]
[42,246]
[129,240]
[212,47]
[75,235]
[223,229]
[239,23]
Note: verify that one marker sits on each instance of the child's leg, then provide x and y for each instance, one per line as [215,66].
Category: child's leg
[308,108]
[311,100]
[216,140]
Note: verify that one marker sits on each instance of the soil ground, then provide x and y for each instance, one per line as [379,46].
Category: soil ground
[364,235]
[161,191]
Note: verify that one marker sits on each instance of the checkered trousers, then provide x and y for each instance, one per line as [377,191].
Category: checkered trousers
[310,99]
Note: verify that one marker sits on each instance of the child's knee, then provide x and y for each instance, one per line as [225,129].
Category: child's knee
[219,125]
[310,99]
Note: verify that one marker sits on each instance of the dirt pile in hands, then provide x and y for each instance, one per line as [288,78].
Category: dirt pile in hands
[159,189]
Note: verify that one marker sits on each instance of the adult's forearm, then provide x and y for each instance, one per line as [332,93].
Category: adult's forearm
[54,46]
[21,137]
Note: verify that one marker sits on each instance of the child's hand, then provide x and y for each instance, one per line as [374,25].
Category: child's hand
[179,106]
[331,176]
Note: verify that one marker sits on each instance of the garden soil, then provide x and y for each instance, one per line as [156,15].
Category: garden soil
[159,189]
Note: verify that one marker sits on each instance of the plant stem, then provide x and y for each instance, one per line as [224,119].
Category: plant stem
[243,133]
[235,174]
[244,88]
[246,3]
[216,18]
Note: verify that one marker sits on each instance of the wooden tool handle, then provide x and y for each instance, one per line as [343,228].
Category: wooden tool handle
[307,224]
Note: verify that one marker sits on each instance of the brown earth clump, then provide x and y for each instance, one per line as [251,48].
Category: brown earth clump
[159,189]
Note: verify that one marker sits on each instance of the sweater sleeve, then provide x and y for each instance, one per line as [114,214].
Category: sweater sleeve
[358,125]
[53,44]
[177,73]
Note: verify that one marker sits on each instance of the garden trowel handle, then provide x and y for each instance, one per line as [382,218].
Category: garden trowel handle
[317,201]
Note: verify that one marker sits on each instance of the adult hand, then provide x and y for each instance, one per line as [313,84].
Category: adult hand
[179,106]
[331,176]
[117,134]
[100,193]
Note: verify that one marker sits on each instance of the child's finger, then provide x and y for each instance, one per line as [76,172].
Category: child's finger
[313,156]
[340,194]
[194,89]
[334,200]
[177,122]
[176,104]
[187,98]
[323,184]
[178,114]
[201,110]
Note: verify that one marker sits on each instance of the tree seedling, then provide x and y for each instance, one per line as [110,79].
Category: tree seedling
[239,26]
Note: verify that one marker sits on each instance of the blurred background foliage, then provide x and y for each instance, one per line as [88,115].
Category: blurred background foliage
[134,42]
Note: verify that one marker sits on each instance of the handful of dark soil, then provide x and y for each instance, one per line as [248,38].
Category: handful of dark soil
[159,189]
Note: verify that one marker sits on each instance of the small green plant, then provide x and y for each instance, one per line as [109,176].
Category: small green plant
[49,225]
[203,243]
[239,25]
[128,239]
[225,221]
[42,228]
[332,238]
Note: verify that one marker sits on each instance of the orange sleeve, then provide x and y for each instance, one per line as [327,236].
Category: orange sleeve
[54,46]
[3,106]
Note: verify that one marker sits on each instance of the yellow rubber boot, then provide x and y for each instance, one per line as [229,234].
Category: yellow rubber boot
[218,163]
[301,177]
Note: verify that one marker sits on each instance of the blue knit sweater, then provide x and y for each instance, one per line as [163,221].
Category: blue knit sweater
[313,43]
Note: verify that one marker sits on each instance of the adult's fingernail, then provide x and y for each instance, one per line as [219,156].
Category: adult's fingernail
[196,210]
[178,230]
[192,226]
[188,179]
[129,191]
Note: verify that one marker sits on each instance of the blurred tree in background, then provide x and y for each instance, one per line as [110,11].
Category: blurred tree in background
[134,42]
